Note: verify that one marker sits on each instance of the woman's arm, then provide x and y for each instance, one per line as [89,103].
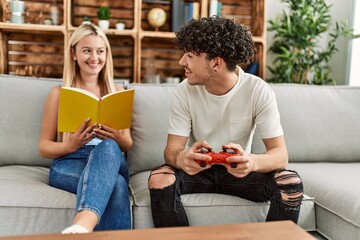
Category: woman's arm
[48,146]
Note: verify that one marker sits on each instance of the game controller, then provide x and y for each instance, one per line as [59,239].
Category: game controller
[217,158]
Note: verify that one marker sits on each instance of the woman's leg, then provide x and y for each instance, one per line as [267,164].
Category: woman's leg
[117,213]
[92,174]
[65,173]
[101,184]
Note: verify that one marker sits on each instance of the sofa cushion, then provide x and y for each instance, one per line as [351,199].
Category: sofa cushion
[321,123]
[29,205]
[211,209]
[149,126]
[335,187]
[21,104]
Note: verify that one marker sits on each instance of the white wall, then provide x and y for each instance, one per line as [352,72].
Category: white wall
[340,10]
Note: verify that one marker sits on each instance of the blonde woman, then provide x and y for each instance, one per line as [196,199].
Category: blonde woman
[89,162]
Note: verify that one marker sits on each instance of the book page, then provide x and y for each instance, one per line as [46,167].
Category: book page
[116,109]
[90,94]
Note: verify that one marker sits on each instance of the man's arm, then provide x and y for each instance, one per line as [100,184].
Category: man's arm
[177,157]
[175,145]
[275,157]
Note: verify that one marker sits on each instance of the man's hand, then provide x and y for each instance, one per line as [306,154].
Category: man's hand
[245,164]
[186,159]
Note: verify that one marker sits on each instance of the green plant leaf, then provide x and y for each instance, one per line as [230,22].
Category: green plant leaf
[297,34]
[103,13]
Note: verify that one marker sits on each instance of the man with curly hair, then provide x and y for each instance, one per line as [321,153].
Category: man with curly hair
[218,107]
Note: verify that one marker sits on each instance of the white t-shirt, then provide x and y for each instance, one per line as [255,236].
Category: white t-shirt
[219,120]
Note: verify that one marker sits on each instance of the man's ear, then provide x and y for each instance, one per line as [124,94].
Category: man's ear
[218,63]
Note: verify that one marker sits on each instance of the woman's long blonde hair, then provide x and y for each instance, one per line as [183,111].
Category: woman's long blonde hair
[71,68]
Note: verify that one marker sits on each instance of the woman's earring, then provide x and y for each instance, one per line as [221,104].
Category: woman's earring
[74,59]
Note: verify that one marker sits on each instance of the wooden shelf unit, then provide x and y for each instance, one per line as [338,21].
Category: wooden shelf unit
[36,49]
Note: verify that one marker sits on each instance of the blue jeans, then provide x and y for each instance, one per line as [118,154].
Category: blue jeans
[167,209]
[99,177]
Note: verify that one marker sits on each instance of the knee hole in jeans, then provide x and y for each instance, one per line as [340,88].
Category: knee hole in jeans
[291,188]
[161,178]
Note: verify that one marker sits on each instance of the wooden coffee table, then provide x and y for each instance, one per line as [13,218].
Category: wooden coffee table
[279,230]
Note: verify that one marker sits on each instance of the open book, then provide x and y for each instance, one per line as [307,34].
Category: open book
[76,105]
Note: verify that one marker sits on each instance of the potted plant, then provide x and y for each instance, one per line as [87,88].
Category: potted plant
[48,21]
[120,25]
[103,14]
[298,31]
[86,20]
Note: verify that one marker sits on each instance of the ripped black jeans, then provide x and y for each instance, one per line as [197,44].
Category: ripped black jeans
[167,209]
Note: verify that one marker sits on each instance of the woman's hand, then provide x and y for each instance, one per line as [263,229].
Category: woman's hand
[122,137]
[82,136]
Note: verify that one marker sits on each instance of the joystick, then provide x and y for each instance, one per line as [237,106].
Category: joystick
[217,158]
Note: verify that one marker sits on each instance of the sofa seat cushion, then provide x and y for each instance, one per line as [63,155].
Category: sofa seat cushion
[335,187]
[30,205]
[211,209]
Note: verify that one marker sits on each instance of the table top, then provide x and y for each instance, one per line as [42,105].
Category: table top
[247,231]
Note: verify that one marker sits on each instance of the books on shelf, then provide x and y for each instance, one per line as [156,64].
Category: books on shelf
[219,7]
[215,7]
[252,68]
[195,10]
[182,12]
[176,14]
[76,105]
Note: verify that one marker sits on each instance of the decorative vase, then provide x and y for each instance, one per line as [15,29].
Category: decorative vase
[54,13]
[104,24]
[17,11]
[120,26]
[17,18]
[17,6]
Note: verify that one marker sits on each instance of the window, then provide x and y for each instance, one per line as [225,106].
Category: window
[354,76]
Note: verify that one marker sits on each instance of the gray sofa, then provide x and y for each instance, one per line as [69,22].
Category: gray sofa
[322,127]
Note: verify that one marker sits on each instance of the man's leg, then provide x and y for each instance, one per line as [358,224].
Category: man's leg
[166,207]
[287,206]
[283,188]
[166,187]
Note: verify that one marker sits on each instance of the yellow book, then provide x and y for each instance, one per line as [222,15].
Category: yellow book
[76,105]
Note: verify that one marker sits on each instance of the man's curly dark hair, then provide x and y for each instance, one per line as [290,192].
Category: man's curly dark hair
[217,36]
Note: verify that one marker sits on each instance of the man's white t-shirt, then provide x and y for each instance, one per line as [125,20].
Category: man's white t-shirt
[219,120]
